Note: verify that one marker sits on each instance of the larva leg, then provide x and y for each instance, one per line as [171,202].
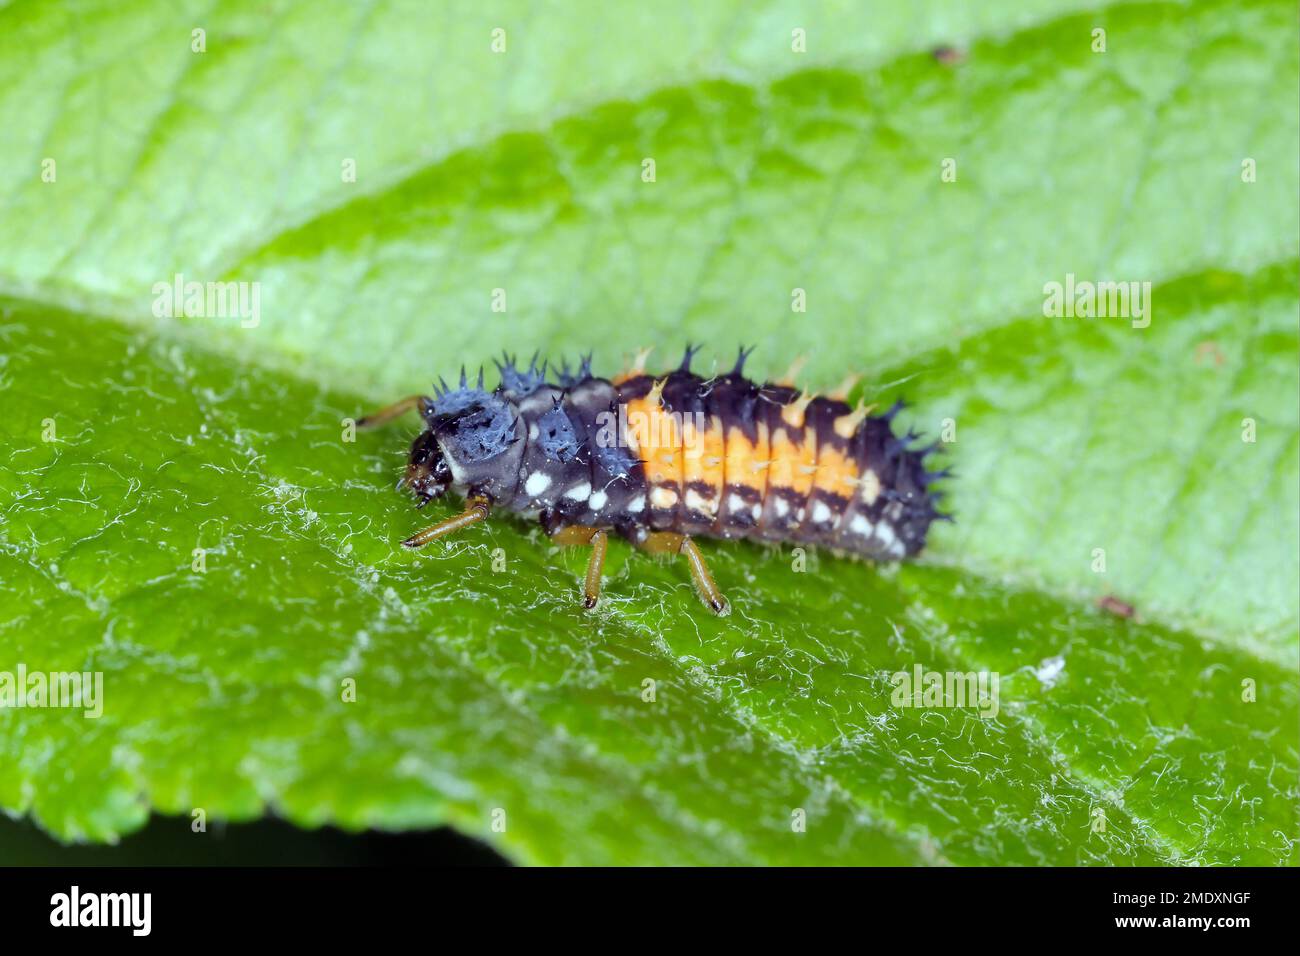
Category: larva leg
[389,412]
[599,541]
[476,510]
[670,542]
[704,582]
[595,566]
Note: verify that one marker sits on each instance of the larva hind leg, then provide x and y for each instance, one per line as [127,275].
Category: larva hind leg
[574,535]
[671,542]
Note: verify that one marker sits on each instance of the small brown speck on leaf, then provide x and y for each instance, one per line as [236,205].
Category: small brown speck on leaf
[949,55]
[1115,606]
[1209,351]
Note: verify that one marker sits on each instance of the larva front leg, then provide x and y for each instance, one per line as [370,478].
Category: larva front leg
[476,510]
[389,412]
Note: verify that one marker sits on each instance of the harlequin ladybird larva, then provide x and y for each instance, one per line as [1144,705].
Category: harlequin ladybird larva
[663,460]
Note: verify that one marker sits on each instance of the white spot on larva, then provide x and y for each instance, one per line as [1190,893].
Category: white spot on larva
[860,525]
[885,534]
[663,497]
[782,506]
[821,514]
[597,501]
[756,511]
[735,502]
[636,504]
[579,492]
[696,501]
[537,483]
[533,432]
[798,515]
[869,487]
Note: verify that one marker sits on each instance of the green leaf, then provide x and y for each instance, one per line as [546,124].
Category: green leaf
[482,692]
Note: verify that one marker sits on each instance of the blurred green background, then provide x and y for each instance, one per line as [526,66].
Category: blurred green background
[389,175]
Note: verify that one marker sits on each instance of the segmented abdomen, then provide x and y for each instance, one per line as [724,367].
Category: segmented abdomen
[723,457]
[729,458]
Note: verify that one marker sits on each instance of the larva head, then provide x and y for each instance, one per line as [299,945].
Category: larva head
[427,473]
[471,444]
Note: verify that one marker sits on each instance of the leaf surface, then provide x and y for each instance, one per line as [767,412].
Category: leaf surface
[487,697]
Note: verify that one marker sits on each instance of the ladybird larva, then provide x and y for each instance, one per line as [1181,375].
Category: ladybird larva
[661,460]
